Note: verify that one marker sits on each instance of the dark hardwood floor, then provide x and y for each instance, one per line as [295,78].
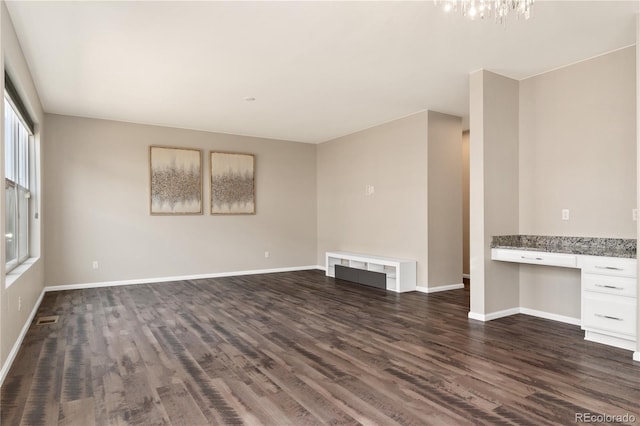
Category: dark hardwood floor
[298,349]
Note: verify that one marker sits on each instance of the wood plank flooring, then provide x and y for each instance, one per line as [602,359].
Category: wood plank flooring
[302,349]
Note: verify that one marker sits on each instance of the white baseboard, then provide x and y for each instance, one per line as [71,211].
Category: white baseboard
[322,268]
[502,314]
[636,356]
[605,339]
[176,278]
[524,311]
[550,316]
[475,316]
[493,315]
[439,288]
[16,346]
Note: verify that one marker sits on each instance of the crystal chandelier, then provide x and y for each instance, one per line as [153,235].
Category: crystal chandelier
[499,9]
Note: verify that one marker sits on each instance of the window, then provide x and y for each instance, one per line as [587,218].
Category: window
[17,134]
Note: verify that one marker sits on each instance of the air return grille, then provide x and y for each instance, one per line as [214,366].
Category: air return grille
[47,320]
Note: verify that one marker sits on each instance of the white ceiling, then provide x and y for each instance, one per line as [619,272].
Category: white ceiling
[318,70]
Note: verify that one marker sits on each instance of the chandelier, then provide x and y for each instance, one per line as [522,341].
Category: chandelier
[499,9]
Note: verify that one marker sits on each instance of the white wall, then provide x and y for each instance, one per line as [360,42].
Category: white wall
[494,189]
[465,202]
[574,147]
[393,220]
[415,212]
[97,183]
[444,199]
[577,151]
[29,284]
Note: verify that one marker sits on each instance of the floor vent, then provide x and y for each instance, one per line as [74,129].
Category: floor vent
[47,320]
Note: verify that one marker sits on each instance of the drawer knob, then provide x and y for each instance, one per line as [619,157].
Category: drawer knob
[609,286]
[610,268]
[609,317]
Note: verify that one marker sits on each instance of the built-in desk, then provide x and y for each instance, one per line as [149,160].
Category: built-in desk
[608,279]
[535,257]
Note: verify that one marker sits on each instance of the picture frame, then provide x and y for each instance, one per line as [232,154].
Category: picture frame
[232,183]
[175,181]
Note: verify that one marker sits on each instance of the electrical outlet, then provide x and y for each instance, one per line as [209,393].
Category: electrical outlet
[95,265]
[19,303]
[565,214]
[266,254]
[634,214]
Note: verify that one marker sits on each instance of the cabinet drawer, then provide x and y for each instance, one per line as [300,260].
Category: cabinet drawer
[619,286]
[609,313]
[534,257]
[614,266]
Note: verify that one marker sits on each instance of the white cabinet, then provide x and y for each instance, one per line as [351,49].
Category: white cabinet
[608,296]
[609,301]
[617,286]
[609,314]
[612,266]
[400,273]
[535,257]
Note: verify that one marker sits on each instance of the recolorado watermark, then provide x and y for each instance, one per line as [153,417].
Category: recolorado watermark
[604,418]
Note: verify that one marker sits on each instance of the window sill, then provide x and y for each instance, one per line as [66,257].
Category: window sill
[19,270]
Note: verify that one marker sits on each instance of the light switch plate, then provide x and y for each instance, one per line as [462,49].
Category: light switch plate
[369,190]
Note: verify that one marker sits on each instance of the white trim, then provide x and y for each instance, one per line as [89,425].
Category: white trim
[474,316]
[439,288]
[606,339]
[493,315]
[467,276]
[636,356]
[524,311]
[16,346]
[371,127]
[322,268]
[574,63]
[17,272]
[176,278]
[550,316]
[502,314]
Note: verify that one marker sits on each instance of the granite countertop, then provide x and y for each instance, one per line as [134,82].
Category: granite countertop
[591,246]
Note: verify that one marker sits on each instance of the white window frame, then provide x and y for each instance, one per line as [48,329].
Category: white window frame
[21,166]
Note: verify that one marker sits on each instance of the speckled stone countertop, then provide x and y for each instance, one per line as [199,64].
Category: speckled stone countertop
[610,247]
